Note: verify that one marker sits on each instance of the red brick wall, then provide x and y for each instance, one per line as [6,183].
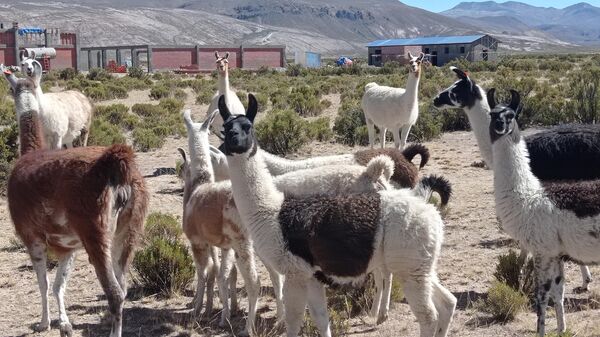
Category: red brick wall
[65,58]
[67,38]
[172,58]
[7,38]
[7,56]
[254,58]
[206,57]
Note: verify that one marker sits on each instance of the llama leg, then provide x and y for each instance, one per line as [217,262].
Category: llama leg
[277,281]
[213,270]
[557,293]
[37,253]
[317,305]
[378,278]
[405,132]
[445,303]
[371,130]
[387,293]
[294,298]
[382,133]
[65,265]
[543,270]
[200,253]
[586,276]
[397,136]
[247,266]
[223,279]
[233,289]
[418,293]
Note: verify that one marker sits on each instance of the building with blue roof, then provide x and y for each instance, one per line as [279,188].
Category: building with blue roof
[439,49]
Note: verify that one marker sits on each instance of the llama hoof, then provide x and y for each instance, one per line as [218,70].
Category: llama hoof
[41,327]
[382,318]
[66,330]
[581,289]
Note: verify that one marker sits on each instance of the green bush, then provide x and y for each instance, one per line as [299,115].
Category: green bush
[97,93]
[305,100]
[319,129]
[584,106]
[516,272]
[428,124]
[115,113]
[347,126]
[104,133]
[115,91]
[145,140]
[160,91]
[68,74]
[281,132]
[99,74]
[503,302]
[136,72]
[9,151]
[164,266]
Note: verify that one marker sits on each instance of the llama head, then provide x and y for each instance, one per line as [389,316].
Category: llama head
[503,116]
[222,62]
[30,66]
[415,62]
[463,93]
[238,129]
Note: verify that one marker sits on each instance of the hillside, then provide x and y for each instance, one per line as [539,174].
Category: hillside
[577,24]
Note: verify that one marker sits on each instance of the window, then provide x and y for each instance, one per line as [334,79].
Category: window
[462,50]
[447,50]
[426,50]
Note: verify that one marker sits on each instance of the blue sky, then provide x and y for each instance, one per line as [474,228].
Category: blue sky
[439,5]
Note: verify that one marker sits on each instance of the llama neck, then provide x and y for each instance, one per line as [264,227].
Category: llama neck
[256,197]
[200,165]
[479,119]
[512,176]
[224,82]
[412,88]
[30,132]
[278,165]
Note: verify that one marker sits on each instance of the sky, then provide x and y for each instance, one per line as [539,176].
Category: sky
[442,5]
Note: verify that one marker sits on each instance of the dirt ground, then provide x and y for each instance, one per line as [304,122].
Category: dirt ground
[472,243]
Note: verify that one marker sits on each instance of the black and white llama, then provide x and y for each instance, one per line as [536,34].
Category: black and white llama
[554,222]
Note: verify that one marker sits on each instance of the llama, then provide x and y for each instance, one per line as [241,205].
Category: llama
[335,239]
[65,116]
[555,222]
[93,198]
[391,108]
[210,216]
[405,172]
[232,100]
[563,152]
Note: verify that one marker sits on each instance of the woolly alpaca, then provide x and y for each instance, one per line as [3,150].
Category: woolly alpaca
[335,239]
[210,216]
[232,100]
[555,223]
[405,172]
[563,152]
[65,116]
[106,219]
[391,108]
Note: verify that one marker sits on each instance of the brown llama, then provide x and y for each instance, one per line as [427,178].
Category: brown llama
[63,200]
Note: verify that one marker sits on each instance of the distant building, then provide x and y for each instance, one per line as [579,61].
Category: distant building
[440,49]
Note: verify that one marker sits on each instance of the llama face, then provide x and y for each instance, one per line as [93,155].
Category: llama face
[222,62]
[239,131]
[415,62]
[28,66]
[463,93]
[503,117]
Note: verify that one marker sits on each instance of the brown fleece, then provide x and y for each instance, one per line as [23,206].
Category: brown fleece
[336,234]
[580,197]
[406,173]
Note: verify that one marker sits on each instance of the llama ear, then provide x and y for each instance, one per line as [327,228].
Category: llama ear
[515,100]
[490,97]
[421,57]
[226,55]
[223,109]
[216,54]
[22,55]
[183,154]
[252,108]
[410,56]
[32,55]
[187,117]
[210,119]
[461,74]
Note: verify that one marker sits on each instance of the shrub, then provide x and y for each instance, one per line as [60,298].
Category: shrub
[115,91]
[114,114]
[516,272]
[584,106]
[104,133]
[281,132]
[98,93]
[428,124]
[68,74]
[160,91]
[305,101]
[503,302]
[164,266]
[99,74]
[145,140]
[8,151]
[136,72]
[347,126]
[319,129]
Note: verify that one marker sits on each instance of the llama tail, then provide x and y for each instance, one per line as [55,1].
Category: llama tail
[380,165]
[370,85]
[431,184]
[417,149]
[115,166]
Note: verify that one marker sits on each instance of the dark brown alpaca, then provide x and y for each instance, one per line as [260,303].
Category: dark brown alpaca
[63,200]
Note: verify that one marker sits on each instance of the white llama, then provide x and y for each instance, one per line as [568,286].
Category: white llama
[65,116]
[549,150]
[396,109]
[233,102]
[340,239]
[555,222]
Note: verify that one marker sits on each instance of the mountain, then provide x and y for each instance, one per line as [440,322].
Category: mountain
[331,27]
[577,24]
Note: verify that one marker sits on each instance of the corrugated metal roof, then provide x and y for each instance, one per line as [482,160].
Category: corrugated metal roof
[420,41]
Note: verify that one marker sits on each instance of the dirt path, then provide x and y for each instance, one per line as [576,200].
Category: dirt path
[472,243]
